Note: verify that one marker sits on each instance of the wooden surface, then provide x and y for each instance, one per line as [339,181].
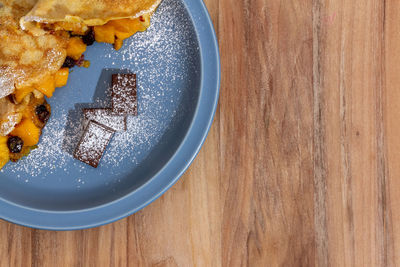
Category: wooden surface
[302,164]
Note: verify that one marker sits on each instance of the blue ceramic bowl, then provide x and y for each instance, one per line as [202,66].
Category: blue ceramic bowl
[178,70]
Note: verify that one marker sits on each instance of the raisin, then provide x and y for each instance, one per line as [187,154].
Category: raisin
[80,61]
[15,144]
[42,113]
[69,62]
[12,99]
[88,38]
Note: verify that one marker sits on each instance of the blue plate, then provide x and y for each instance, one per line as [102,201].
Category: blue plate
[178,70]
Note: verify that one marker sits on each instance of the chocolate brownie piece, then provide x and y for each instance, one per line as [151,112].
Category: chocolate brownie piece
[124,94]
[93,143]
[106,117]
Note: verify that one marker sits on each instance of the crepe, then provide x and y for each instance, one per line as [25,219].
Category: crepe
[17,9]
[25,59]
[10,115]
[84,12]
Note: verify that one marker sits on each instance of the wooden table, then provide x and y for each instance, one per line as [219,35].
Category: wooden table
[302,164]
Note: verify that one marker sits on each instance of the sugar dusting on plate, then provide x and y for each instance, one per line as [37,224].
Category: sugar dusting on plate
[166,40]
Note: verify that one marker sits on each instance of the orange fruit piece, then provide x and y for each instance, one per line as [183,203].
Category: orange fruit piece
[22,92]
[118,43]
[104,34]
[4,152]
[28,132]
[76,47]
[61,77]
[47,86]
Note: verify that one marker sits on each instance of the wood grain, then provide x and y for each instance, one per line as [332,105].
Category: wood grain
[348,88]
[391,109]
[301,167]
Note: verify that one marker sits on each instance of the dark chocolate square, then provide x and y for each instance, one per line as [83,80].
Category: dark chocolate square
[93,143]
[124,94]
[106,117]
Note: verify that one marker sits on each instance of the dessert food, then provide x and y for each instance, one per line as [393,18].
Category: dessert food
[30,69]
[106,117]
[41,41]
[93,143]
[109,21]
[103,122]
[124,94]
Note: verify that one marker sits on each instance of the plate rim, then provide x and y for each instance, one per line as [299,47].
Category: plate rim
[174,168]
